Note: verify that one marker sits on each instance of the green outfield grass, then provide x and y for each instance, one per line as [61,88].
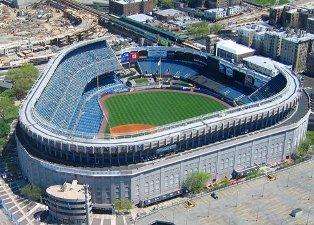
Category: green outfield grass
[157,107]
[270,2]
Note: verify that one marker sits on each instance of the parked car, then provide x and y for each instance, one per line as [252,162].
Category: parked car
[271,177]
[158,222]
[296,212]
[190,204]
[214,195]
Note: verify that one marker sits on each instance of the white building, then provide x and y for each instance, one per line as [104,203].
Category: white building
[69,203]
[261,65]
[142,18]
[215,14]
[21,3]
[234,10]
[233,52]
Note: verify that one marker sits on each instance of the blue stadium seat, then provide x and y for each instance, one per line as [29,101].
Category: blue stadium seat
[175,68]
[64,102]
[275,85]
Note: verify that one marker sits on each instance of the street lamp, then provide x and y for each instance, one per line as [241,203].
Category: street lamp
[262,191]
[237,199]
[257,213]
[208,208]
[287,185]
[308,215]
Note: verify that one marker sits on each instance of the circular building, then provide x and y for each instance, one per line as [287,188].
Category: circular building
[69,203]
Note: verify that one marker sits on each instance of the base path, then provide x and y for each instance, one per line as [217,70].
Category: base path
[130,129]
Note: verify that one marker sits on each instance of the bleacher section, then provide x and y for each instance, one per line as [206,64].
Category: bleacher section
[219,90]
[272,87]
[65,91]
[190,71]
[174,68]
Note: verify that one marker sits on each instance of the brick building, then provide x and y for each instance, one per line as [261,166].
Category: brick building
[222,3]
[131,7]
[295,51]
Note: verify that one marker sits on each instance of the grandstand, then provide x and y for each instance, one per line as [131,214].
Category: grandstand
[58,135]
[273,86]
[67,98]
[177,69]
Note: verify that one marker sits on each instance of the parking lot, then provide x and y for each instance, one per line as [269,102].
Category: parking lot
[258,201]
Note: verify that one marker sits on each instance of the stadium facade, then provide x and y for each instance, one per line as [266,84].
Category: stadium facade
[58,136]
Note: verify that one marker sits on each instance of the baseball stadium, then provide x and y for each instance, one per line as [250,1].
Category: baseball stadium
[135,123]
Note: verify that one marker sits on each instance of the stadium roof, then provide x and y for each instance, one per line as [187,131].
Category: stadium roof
[233,47]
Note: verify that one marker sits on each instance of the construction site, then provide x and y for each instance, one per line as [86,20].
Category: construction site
[35,33]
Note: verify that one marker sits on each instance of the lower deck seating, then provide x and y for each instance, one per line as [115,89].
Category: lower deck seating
[88,115]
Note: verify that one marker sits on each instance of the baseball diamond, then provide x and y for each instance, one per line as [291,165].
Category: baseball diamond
[157,107]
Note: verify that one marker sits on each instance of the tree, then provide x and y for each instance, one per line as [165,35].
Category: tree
[122,205]
[2,143]
[8,112]
[33,192]
[166,3]
[196,182]
[305,147]
[194,3]
[310,136]
[216,28]
[199,29]
[23,79]
[4,129]
[253,174]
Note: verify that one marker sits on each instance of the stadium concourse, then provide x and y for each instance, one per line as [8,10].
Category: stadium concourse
[257,120]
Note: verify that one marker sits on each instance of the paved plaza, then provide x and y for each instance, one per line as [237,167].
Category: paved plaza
[255,202]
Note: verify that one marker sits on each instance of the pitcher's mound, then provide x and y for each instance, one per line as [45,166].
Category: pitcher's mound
[130,129]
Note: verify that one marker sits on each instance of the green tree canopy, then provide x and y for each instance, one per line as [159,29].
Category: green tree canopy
[122,205]
[199,29]
[306,148]
[166,3]
[310,136]
[194,3]
[23,79]
[33,192]
[8,112]
[216,28]
[4,129]
[196,182]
